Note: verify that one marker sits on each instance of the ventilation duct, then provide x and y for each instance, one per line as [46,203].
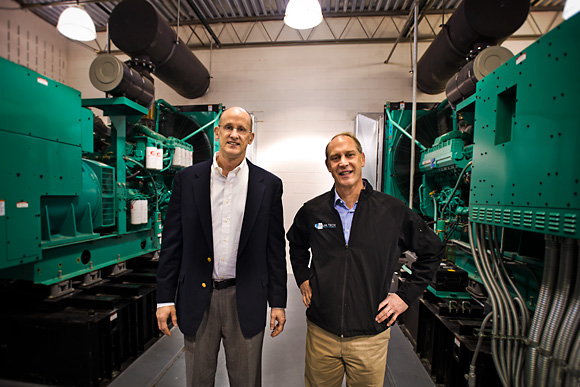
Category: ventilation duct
[138,30]
[474,25]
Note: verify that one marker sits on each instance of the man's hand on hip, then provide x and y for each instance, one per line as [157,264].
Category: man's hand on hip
[306,291]
[392,307]
[163,315]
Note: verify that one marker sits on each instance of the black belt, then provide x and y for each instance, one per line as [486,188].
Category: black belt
[223,283]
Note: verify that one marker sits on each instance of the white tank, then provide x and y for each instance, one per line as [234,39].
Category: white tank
[151,158]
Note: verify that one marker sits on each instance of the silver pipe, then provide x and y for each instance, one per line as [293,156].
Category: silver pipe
[480,339]
[522,349]
[500,317]
[568,330]
[108,39]
[573,377]
[480,270]
[558,308]
[513,345]
[551,261]
[472,375]
[434,214]
[568,327]
[510,315]
[460,243]
[456,186]
[414,113]
[523,308]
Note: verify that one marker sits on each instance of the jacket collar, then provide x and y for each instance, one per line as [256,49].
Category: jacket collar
[256,190]
[364,193]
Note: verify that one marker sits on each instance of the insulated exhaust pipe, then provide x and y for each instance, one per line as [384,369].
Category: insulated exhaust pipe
[475,24]
[138,30]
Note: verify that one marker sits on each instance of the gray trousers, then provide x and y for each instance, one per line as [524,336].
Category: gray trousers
[243,355]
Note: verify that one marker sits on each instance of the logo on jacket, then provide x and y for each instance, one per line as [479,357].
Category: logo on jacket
[320,226]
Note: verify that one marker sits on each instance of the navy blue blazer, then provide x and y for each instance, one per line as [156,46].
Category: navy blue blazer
[186,262]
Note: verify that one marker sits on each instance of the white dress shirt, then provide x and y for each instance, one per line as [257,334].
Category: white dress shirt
[228,202]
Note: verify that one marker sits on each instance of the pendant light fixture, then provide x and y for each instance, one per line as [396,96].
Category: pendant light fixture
[303,14]
[76,24]
[571,8]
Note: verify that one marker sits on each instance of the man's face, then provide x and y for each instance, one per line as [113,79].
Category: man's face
[345,162]
[233,133]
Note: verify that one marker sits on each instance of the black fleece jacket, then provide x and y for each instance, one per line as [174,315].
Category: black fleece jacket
[349,281]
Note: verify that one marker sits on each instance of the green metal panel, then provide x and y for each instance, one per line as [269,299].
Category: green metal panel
[37,168]
[38,104]
[205,117]
[62,215]
[441,294]
[65,262]
[41,149]
[118,106]
[450,295]
[447,154]
[105,175]
[402,117]
[3,230]
[389,185]
[87,130]
[526,166]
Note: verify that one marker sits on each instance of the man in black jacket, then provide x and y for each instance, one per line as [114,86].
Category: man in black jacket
[356,236]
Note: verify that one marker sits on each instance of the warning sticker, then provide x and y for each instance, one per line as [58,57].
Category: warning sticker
[2,208]
[22,205]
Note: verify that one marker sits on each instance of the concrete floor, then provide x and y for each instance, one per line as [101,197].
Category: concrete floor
[163,365]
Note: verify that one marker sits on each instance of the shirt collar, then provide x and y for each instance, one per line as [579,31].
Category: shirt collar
[338,199]
[218,170]
[339,202]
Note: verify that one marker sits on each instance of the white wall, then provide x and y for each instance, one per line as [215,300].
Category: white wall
[301,96]
[31,42]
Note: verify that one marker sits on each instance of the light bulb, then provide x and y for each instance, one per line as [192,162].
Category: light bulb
[303,14]
[75,23]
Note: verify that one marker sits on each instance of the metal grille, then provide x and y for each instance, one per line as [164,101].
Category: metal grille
[108,202]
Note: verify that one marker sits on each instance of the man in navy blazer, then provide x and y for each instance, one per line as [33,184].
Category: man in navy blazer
[223,258]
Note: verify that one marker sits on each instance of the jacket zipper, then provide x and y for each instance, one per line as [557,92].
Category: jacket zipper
[344,276]
[343,294]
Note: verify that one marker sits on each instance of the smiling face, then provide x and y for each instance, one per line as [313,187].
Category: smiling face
[234,134]
[345,162]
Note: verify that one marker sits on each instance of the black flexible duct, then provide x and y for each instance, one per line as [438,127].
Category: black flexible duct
[138,29]
[474,24]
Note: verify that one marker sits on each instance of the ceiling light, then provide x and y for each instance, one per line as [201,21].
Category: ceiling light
[303,14]
[571,8]
[76,24]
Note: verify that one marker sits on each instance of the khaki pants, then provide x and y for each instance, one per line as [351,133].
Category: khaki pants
[329,357]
